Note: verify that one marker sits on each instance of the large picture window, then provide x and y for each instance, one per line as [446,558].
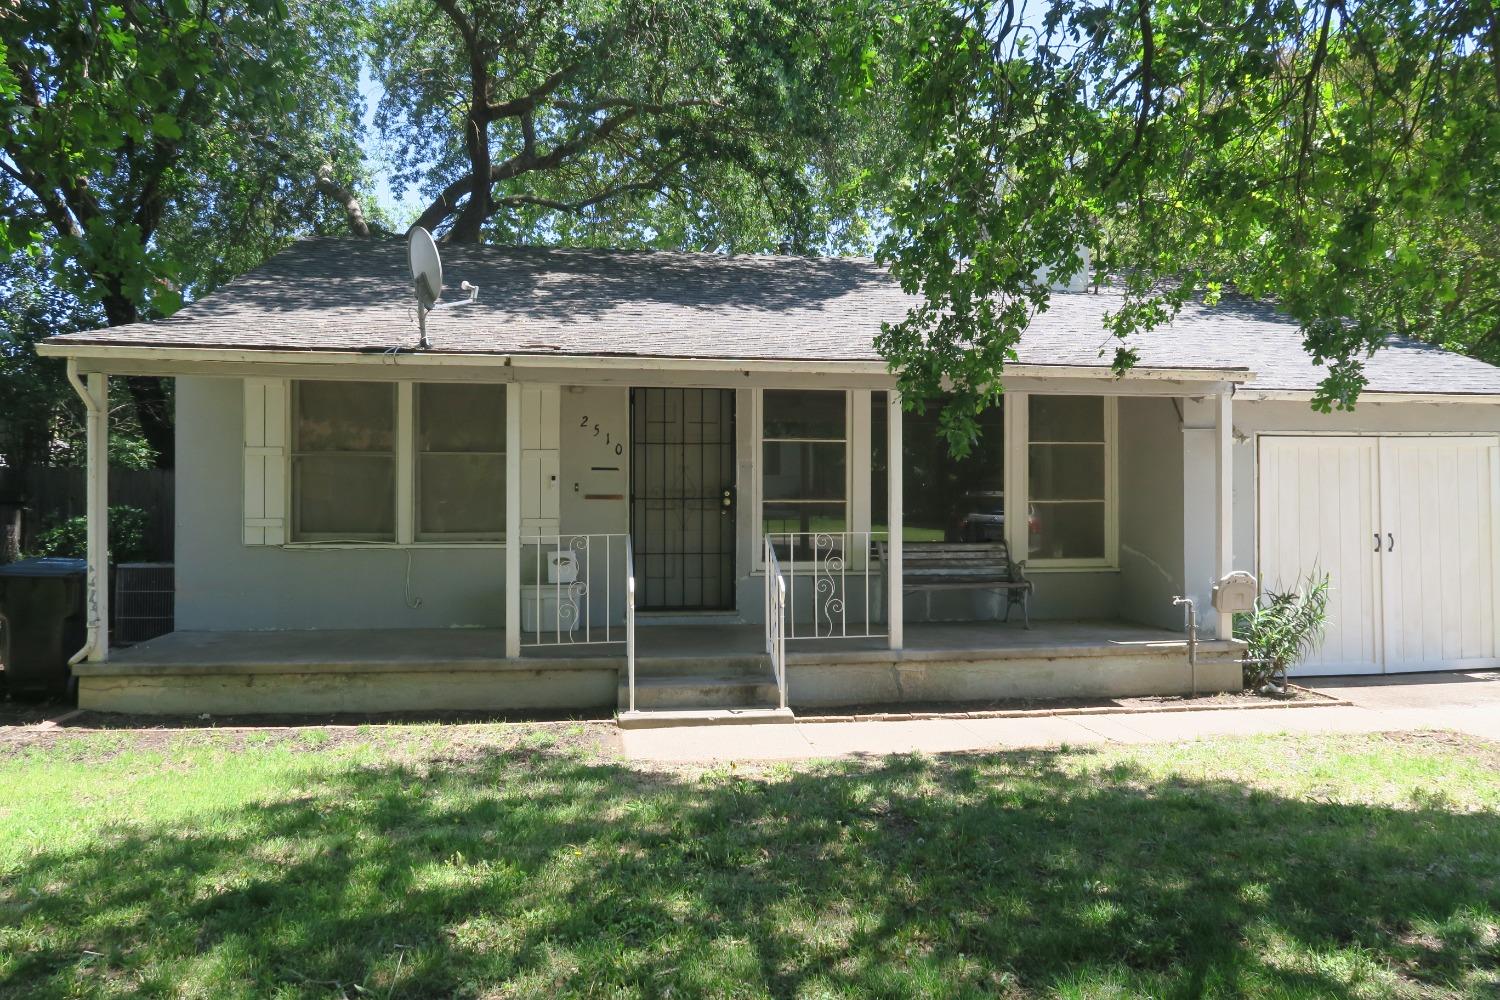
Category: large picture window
[804,468]
[1069,471]
[359,446]
[460,458]
[944,499]
[344,461]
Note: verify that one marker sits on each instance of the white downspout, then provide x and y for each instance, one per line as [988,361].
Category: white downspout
[95,396]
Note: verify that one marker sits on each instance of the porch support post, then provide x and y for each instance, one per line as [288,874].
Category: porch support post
[1224,508]
[95,395]
[513,520]
[893,463]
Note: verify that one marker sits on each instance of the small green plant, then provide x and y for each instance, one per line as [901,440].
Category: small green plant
[127,536]
[1283,630]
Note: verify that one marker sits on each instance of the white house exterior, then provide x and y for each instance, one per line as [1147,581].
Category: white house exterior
[346,502]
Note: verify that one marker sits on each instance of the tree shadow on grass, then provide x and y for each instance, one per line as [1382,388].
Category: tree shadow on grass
[544,874]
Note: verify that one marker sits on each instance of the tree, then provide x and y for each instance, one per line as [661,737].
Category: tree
[1338,158]
[624,122]
[159,146]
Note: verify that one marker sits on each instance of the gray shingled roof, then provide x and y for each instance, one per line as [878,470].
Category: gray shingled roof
[347,295]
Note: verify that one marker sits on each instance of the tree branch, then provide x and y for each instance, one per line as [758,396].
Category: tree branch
[345,198]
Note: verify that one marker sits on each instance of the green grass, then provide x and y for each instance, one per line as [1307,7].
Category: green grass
[509,861]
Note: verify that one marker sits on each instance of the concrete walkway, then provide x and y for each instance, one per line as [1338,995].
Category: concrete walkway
[1468,703]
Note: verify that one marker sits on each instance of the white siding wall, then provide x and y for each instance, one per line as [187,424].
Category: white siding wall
[224,584]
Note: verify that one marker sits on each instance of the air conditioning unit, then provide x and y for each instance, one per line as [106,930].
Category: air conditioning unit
[145,595]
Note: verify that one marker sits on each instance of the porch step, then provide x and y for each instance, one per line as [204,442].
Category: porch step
[701,717]
[743,665]
[719,690]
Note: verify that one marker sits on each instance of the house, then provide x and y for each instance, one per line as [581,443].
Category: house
[671,481]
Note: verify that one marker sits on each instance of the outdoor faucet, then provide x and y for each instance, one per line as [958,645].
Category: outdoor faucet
[1190,615]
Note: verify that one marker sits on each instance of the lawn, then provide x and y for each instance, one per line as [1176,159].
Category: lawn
[528,861]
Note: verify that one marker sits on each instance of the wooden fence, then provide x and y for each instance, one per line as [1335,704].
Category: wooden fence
[35,498]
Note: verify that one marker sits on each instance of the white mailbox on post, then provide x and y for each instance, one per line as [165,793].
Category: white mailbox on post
[1235,593]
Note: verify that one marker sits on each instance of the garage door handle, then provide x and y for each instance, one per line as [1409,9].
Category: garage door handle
[1390,542]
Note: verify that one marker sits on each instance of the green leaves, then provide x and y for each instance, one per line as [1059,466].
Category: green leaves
[1344,165]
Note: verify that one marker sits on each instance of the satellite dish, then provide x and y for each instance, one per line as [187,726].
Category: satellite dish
[427,278]
[426,266]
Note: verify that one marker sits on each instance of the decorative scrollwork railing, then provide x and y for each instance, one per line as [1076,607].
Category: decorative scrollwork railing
[835,587]
[574,590]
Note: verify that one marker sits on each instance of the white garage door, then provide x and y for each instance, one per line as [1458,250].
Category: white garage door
[1408,529]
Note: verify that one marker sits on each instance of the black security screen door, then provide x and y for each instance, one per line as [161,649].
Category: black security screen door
[682,498]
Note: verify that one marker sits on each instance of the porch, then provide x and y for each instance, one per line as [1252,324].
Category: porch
[678,666]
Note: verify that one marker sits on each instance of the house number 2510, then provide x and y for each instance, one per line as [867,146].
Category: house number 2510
[608,437]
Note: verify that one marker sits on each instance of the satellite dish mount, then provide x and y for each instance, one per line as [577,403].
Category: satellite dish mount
[427,278]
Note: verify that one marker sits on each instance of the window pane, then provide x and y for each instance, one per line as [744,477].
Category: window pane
[783,516]
[461,494]
[345,496]
[1067,530]
[1067,418]
[945,499]
[810,413]
[453,417]
[346,416]
[1067,472]
[800,471]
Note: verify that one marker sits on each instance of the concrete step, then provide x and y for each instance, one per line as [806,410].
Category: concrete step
[700,691]
[692,666]
[701,717]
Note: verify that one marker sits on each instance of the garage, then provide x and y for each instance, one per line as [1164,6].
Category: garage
[1407,526]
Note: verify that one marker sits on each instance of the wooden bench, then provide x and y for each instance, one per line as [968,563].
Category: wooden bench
[931,566]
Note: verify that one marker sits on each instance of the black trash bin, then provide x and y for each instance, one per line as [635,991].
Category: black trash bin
[41,601]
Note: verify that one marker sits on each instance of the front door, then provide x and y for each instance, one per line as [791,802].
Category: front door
[682,518]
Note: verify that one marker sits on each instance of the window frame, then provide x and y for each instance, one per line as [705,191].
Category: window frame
[760,470]
[418,536]
[1020,459]
[295,454]
[406,481]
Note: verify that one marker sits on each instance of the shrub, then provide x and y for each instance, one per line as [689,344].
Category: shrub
[1283,630]
[127,536]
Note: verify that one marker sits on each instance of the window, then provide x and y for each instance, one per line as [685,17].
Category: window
[460,459]
[1069,471]
[804,477]
[945,499]
[344,461]
[358,447]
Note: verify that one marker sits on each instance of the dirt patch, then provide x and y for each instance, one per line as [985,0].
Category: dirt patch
[23,711]
[454,742]
[1483,751]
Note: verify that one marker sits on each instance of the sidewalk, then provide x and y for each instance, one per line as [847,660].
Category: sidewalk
[1468,703]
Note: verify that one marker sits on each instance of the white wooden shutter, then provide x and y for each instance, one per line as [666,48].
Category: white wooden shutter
[265,461]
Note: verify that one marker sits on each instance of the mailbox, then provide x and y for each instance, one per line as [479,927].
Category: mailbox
[1235,593]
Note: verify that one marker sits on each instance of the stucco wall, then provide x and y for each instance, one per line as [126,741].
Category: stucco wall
[1151,510]
[223,584]
[1276,417]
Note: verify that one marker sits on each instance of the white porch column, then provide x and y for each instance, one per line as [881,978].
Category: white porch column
[893,463]
[95,395]
[1224,507]
[513,520]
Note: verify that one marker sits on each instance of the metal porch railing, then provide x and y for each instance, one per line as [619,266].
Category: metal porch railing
[576,590]
[835,587]
[776,620]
